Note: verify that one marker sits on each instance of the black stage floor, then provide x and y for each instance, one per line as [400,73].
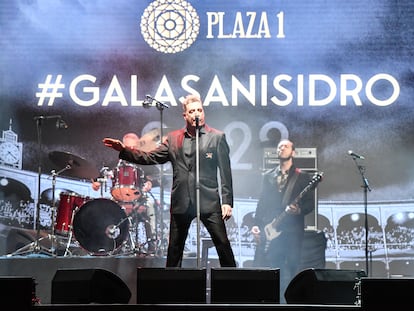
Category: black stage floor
[198,307]
[42,272]
[43,269]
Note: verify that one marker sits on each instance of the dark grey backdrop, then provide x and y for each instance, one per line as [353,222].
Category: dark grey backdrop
[332,38]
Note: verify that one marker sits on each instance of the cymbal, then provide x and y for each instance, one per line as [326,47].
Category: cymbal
[76,166]
[150,140]
[155,177]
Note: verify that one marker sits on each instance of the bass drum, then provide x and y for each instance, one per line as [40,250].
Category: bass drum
[101,226]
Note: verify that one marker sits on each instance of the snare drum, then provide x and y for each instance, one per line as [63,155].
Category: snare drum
[126,185]
[68,204]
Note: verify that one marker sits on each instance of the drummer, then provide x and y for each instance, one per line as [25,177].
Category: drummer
[142,205]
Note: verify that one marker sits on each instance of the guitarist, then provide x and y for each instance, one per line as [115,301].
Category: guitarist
[280,187]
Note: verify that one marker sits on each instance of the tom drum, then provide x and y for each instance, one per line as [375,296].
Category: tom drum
[69,202]
[126,184]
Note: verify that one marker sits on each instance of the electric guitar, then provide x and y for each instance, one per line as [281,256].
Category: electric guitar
[271,229]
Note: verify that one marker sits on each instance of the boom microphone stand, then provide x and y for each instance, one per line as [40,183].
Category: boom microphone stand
[35,247]
[149,100]
[366,188]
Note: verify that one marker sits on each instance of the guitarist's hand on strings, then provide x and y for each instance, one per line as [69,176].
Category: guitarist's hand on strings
[293,209]
[256,233]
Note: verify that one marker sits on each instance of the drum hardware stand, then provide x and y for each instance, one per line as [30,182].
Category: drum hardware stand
[161,242]
[70,236]
[157,211]
[149,238]
[135,248]
[150,231]
[104,180]
[131,240]
[131,248]
[52,234]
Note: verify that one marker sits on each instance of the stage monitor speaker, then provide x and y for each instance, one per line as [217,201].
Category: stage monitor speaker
[17,293]
[243,285]
[84,286]
[313,250]
[324,286]
[393,293]
[171,285]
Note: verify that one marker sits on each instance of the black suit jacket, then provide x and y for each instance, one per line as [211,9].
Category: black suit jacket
[272,202]
[214,158]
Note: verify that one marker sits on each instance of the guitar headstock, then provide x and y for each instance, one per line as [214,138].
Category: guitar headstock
[318,175]
[316,178]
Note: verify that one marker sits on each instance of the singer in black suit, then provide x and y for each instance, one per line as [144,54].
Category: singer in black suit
[179,149]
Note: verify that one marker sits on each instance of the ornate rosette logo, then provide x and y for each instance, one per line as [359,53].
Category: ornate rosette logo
[170,26]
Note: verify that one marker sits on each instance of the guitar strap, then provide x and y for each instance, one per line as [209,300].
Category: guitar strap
[289,189]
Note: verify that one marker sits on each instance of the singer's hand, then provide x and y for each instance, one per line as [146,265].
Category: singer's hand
[113,143]
[226,211]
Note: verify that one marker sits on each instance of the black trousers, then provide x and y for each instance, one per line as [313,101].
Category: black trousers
[179,226]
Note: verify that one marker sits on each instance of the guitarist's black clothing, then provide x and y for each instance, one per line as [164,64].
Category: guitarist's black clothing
[283,251]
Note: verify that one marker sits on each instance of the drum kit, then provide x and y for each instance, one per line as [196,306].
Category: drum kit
[122,223]
[119,225]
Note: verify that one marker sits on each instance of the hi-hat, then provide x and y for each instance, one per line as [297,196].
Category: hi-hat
[76,165]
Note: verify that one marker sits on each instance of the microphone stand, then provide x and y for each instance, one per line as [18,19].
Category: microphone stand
[35,247]
[160,106]
[366,188]
[161,109]
[197,189]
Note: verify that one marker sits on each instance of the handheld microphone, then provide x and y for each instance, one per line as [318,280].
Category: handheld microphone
[197,120]
[57,116]
[60,123]
[355,155]
[147,101]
